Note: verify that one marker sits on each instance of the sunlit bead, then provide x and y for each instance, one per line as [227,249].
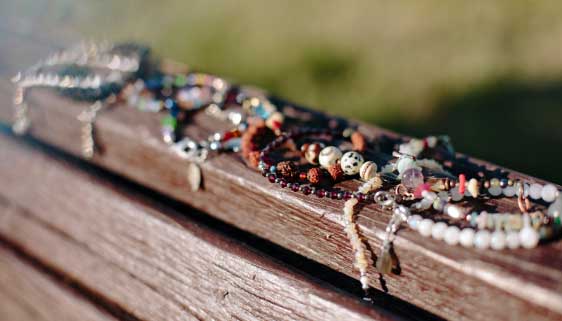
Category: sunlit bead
[466,237]
[495,190]
[451,236]
[512,240]
[425,226]
[498,240]
[528,237]
[555,209]
[368,170]
[509,191]
[351,163]
[482,239]
[413,221]
[438,230]
[329,156]
[454,211]
[405,163]
[549,193]
[535,191]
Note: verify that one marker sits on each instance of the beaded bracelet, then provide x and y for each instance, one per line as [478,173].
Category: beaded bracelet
[76,73]
[509,230]
[330,158]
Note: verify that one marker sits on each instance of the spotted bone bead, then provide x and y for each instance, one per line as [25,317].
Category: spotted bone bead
[351,163]
[329,156]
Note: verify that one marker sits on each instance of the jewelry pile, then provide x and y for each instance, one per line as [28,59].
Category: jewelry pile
[419,189]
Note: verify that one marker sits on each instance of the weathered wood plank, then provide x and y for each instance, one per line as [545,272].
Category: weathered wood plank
[154,266]
[28,294]
[448,281]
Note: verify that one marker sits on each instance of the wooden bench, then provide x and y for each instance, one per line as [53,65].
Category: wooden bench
[122,236]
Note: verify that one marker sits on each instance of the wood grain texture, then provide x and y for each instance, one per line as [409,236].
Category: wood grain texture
[28,294]
[451,282]
[154,266]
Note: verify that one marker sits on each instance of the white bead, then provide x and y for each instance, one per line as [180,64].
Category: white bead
[405,163]
[438,230]
[512,240]
[535,191]
[509,191]
[455,195]
[443,195]
[351,163]
[555,209]
[528,237]
[329,156]
[368,170]
[454,211]
[424,227]
[413,221]
[482,239]
[451,236]
[495,190]
[431,196]
[498,240]
[466,237]
[549,193]
[431,141]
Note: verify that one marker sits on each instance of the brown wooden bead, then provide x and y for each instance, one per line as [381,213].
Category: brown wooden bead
[336,172]
[358,141]
[287,169]
[312,153]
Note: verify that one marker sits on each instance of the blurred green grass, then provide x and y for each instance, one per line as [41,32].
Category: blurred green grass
[487,72]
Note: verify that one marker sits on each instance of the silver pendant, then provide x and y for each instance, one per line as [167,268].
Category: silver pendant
[194,176]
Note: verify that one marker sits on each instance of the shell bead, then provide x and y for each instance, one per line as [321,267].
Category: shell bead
[368,170]
[351,163]
[329,156]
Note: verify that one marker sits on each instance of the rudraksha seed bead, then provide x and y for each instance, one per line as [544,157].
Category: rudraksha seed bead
[287,169]
[256,137]
[336,172]
[315,175]
[358,141]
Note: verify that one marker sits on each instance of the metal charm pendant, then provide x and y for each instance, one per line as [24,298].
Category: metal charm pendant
[194,176]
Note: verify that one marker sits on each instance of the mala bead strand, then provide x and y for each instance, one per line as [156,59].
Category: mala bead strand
[334,165]
[362,256]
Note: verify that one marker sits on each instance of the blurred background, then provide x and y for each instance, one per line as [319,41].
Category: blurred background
[488,73]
